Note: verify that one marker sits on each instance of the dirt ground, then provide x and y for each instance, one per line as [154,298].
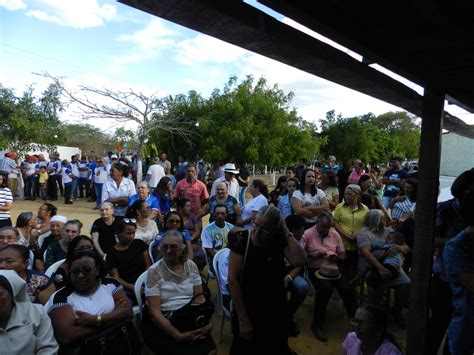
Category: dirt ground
[337,322]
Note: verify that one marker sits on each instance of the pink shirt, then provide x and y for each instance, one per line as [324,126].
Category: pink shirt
[195,193]
[312,242]
[355,176]
[352,346]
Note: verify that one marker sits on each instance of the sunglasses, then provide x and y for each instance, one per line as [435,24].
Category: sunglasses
[129,220]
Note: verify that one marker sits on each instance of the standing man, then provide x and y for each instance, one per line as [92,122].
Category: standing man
[143,193]
[74,166]
[59,175]
[193,190]
[303,164]
[394,180]
[29,171]
[53,169]
[180,172]
[9,167]
[83,181]
[244,179]
[233,187]
[331,165]
[164,162]
[154,174]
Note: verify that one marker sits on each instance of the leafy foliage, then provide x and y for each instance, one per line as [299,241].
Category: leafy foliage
[28,122]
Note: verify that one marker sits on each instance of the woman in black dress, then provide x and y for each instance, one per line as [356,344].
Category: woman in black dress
[256,280]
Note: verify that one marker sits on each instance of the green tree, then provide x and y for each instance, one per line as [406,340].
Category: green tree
[87,137]
[28,122]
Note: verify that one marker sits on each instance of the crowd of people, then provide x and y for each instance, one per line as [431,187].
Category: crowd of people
[343,227]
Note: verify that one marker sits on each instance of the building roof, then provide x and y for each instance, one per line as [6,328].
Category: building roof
[428,42]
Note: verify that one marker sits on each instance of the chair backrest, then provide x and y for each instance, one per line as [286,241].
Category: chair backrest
[215,263]
[42,237]
[150,252]
[31,261]
[138,290]
[53,268]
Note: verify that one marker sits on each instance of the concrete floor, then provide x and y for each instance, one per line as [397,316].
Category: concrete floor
[305,344]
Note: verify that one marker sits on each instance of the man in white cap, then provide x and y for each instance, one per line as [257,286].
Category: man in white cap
[229,178]
[154,174]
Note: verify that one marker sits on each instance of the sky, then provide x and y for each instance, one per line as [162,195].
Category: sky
[107,44]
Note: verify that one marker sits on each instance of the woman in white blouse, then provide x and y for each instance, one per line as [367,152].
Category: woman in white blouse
[171,284]
[118,189]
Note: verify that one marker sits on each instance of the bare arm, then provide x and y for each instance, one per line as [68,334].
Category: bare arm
[189,246]
[238,215]
[250,219]
[44,295]
[95,241]
[7,206]
[294,252]
[299,209]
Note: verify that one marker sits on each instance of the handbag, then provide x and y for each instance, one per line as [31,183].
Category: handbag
[120,339]
[192,315]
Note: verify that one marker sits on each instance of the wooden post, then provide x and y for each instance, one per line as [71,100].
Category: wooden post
[429,163]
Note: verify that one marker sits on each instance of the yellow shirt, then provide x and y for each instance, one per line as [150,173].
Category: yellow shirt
[350,221]
[43,177]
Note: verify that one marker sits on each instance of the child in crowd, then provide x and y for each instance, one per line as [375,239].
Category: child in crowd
[43,182]
[392,262]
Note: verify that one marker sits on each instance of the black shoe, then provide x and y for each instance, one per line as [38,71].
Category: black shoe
[319,334]
[68,202]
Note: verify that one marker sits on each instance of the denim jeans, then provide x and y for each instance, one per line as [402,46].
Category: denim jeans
[298,290]
[242,195]
[98,194]
[74,192]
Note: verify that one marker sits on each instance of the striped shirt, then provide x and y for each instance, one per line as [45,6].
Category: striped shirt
[8,165]
[401,208]
[5,197]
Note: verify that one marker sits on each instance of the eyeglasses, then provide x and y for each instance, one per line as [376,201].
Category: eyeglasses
[172,247]
[130,220]
[87,270]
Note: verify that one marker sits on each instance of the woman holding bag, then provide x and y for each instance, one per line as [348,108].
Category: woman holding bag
[171,285]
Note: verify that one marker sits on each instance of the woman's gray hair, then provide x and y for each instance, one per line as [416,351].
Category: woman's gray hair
[324,216]
[23,219]
[372,221]
[354,188]
[272,214]
[181,242]
[108,204]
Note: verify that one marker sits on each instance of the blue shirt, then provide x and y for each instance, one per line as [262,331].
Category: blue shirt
[392,175]
[335,168]
[461,329]
[151,201]
[284,205]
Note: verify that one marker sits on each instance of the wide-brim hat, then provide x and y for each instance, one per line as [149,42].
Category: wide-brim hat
[230,168]
[328,272]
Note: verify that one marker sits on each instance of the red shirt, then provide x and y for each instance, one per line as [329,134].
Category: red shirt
[195,193]
[313,242]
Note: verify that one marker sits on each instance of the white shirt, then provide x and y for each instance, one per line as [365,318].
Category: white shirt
[155,173]
[100,175]
[253,206]
[147,233]
[111,190]
[75,169]
[309,200]
[233,187]
[223,266]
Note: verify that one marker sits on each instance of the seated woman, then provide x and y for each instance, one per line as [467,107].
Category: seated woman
[56,224]
[403,206]
[38,286]
[284,205]
[171,284]
[78,244]
[329,185]
[25,327]
[193,226]
[8,236]
[371,240]
[370,333]
[104,229]
[58,250]
[278,191]
[326,254]
[129,258]
[173,221]
[222,197]
[88,304]
[146,228]
[45,212]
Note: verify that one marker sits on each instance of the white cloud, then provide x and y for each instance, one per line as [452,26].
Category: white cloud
[153,35]
[203,48]
[73,13]
[12,5]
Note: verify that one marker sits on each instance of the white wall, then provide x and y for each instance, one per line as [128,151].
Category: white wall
[457,154]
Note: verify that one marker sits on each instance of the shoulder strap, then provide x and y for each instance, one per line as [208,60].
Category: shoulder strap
[245,258]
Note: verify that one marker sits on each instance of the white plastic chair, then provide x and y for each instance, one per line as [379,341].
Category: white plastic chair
[31,261]
[42,237]
[138,293]
[53,268]
[210,274]
[224,312]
